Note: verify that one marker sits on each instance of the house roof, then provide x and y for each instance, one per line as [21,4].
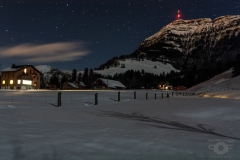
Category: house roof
[72,84]
[82,84]
[9,69]
[16,68]
[112,83]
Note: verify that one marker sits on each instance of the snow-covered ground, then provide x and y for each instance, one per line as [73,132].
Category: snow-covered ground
[146,65]
[178,127]
[220,86]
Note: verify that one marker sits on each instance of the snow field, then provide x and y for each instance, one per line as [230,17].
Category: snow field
[168,128]
[44,98]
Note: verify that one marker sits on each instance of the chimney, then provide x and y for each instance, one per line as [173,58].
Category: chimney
[13,65]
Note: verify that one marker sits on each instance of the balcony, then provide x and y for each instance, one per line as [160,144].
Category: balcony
[25,77]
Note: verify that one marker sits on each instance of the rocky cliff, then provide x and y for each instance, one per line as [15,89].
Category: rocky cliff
[199,41]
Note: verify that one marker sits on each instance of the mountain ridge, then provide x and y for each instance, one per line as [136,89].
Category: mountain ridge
[209,40]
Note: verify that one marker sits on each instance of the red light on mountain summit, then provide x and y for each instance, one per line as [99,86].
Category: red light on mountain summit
[179,15]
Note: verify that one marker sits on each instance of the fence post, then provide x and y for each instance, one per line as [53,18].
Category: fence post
[96,99]
[119,96]
[59,99]
[167,95]
[146,95]
[134,94]
[155,96]
[30,98]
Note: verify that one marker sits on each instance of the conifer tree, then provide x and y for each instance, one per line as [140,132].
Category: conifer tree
[74,75]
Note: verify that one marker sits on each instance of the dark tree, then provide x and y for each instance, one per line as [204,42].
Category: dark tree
[74,75]
[64,79]
[85,77]
[91,75]
[236,67]
[79,79]
[42,83]
[54,80]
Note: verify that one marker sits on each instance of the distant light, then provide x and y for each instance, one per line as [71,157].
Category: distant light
[179,15]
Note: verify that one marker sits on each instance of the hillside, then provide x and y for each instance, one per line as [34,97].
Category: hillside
[223,82]
[196,41]
[44,68]
[132,64]
[199,48]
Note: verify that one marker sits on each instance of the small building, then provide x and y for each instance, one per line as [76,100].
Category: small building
[81,85]
[69,86]
[164,86]
[102,83]
[181,88]
[53,86]
[73,86]
[20,77]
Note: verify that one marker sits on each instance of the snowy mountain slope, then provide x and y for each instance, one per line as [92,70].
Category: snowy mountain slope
[44,68]
[49,71]
[208,40]
[146,65]
[222,84]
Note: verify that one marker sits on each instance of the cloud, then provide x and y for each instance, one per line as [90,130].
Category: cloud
[52,52]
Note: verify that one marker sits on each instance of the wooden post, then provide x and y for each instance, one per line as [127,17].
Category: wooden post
[134,94]
[59,99]
[167,95]
[96,99]
[118,96]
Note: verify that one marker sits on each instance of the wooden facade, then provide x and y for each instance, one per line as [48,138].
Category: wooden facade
[20,77]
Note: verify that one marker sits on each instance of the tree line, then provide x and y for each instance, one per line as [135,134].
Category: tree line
[131,79]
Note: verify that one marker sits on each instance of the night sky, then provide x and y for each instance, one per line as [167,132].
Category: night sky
[86,33]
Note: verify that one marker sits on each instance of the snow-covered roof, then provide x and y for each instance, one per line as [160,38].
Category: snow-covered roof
[19,67]
[81,84]
[72,84]
[9,69]
[112,83]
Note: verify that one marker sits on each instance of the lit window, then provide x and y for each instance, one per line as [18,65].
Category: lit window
[25,70]
[27,82]
[3,82]
[11,81]
[19,81]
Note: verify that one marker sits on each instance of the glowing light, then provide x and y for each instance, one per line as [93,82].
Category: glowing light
[27,82]
[25,71]
[3,82]
[179,15]
[11,81]
[19,81]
